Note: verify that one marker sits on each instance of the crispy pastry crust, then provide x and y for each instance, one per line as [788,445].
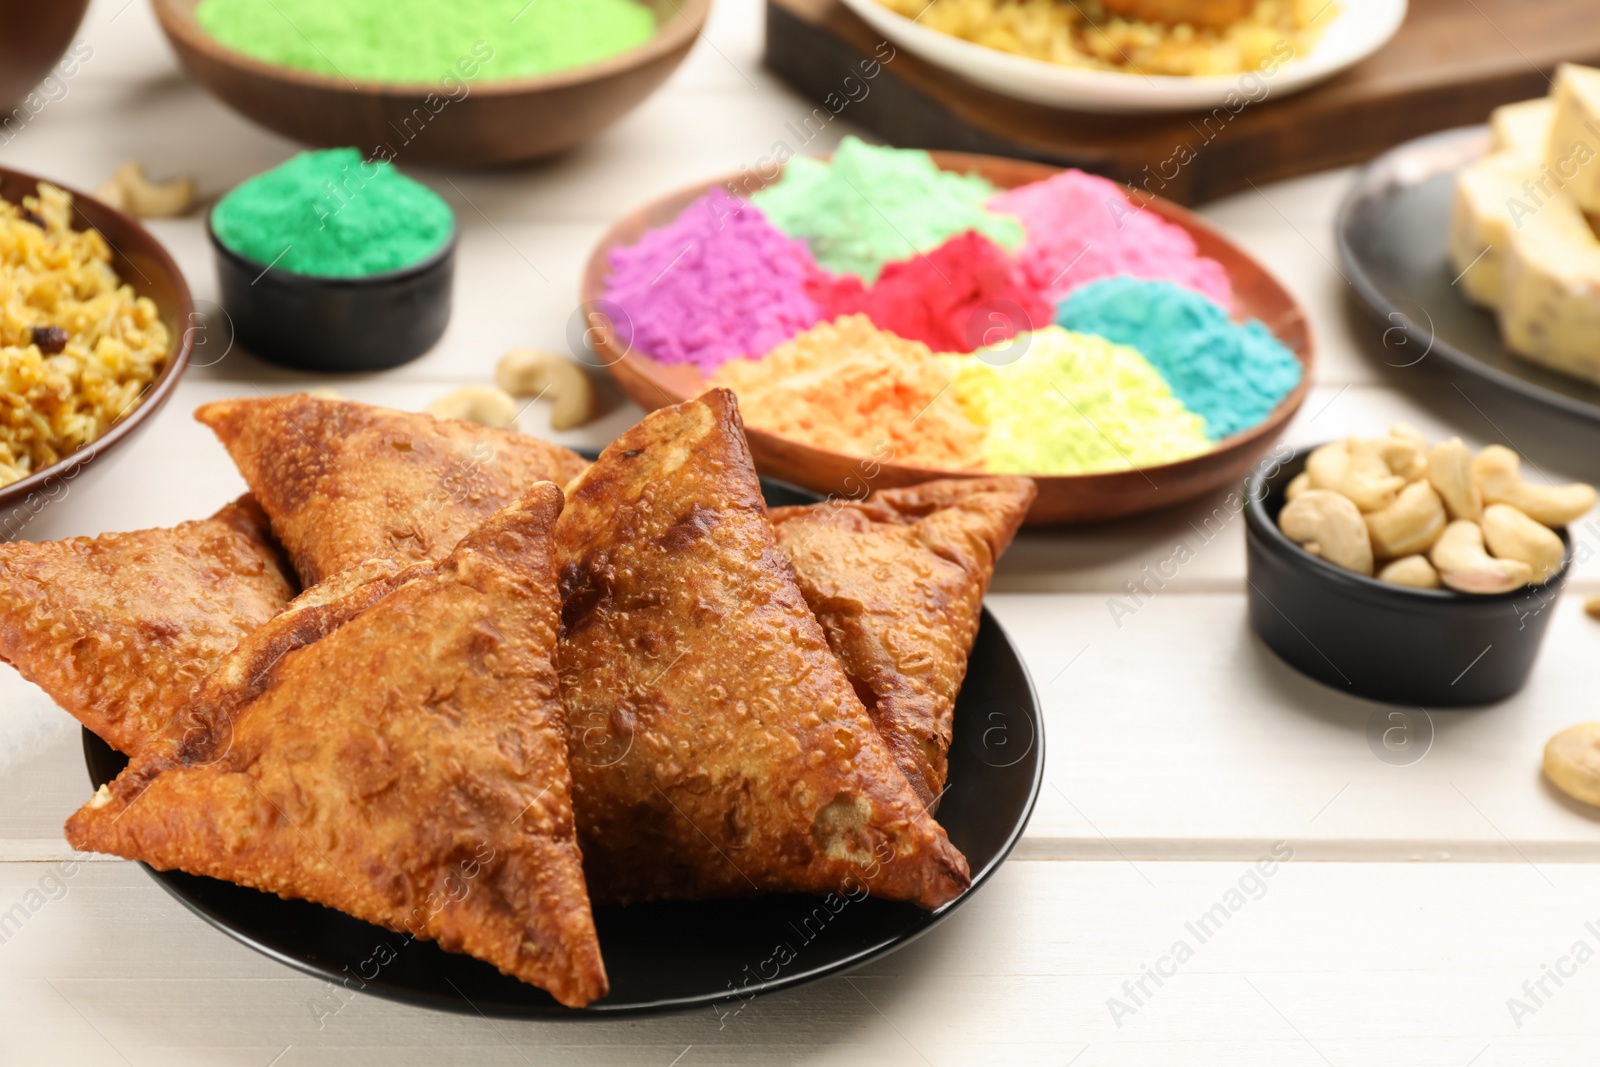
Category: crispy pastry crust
[717,747]
[346,482]
[897,582]
[408,767]
[121,629]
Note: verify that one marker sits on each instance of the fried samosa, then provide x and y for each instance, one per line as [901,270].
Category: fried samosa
[346,482]
[897,582]
[717,747]
[408,768]
[121,629]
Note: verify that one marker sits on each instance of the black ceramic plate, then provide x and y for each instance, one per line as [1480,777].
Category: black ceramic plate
[1392,232]
[672,956]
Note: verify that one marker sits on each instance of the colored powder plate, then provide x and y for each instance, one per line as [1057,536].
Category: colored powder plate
[1081,227]
[332,214]
[1232,375]
[1056,402]
[851,388]
[869,206]
[963,295]
[422,41]
[718,283]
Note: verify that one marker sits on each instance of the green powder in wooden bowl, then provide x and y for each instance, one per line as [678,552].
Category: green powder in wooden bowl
[420,41]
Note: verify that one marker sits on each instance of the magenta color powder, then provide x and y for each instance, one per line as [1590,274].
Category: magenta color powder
[719,283]
[1081,227]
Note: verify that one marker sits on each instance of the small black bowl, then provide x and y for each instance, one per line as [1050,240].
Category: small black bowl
[336,324]
[1371,639]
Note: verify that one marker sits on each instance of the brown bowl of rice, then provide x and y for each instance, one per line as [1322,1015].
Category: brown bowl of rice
[94,334]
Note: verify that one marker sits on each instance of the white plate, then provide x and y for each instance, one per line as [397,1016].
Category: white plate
[1358,29]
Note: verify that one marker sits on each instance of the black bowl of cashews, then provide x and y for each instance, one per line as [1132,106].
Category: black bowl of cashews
[1408,572]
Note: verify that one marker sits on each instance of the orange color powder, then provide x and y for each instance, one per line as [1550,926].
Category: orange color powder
[849,387]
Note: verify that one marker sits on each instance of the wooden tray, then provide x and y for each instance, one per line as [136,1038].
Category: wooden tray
[1062,499]
[1451,62]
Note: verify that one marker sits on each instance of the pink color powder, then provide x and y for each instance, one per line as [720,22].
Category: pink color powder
[718,283]
[963,295]
[1081,228]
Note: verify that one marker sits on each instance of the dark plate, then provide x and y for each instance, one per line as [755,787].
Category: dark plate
[672,956]
[1392,232]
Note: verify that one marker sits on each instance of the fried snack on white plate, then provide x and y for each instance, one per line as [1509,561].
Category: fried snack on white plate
[121,629]
[897,582]
[717,747]
[346,482]
[409,768]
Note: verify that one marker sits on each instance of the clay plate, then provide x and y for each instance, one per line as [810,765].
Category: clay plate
[140,261]
[1062,499]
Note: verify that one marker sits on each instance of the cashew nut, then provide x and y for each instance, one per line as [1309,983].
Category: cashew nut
[1450,472]
[1407,432]
[1592,606]
[530,372]
[1405,456]
[1327,524]
[132,191]
[1465,566]
[482,404]
[1572,761]
[1355,469]
[1297,485]
[1496,469]
[1512,535]
[1414,571]
[1408,526]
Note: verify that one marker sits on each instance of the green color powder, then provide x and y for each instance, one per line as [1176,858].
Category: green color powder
[333,215]
[424,41]
[869,206]
[1072,404]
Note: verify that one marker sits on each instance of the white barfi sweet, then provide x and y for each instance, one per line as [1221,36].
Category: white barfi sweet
[1573,151]
[1523,129]
[1492,195]
[1550,311]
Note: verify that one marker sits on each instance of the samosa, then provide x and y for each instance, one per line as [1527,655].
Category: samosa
[346,482]
[897,582]
[717,747]
[121,629]
[409,767]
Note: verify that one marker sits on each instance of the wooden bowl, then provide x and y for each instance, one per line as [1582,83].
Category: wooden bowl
[1071,498]
[141,262]
[34,34]
[493,122]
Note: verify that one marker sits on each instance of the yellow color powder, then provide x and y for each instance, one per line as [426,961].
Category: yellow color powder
[1072,403]
[849,387]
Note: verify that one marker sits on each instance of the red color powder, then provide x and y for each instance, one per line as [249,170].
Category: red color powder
[963,295]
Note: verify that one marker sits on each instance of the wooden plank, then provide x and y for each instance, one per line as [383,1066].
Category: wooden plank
[1162,746]
[113,495]
[1449,64]
[1311,964]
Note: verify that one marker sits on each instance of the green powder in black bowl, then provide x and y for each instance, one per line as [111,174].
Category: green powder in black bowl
[331,214]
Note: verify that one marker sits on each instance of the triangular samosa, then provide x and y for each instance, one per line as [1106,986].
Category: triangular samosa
[120,629]
[345,482]
[717,747]
[408,768]
[897,582]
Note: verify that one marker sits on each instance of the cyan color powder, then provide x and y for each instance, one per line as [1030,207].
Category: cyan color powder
[1232,375]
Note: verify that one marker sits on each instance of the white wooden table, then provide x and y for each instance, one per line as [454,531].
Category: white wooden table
[1421,895]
